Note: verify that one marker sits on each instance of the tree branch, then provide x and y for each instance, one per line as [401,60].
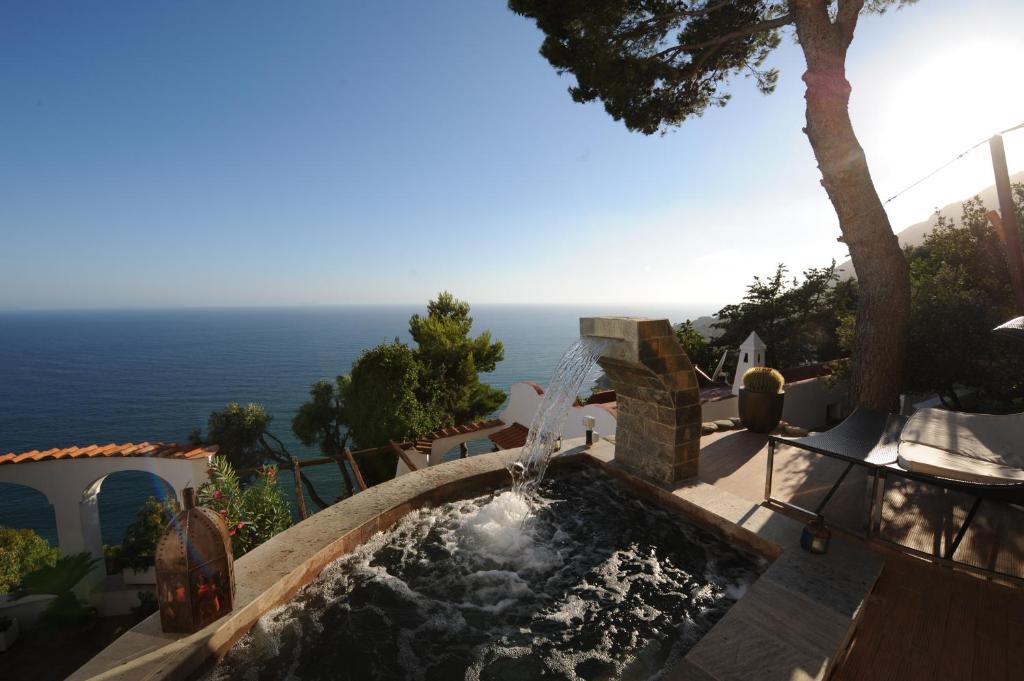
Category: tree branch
[846,19]
[279,457]
[759,27]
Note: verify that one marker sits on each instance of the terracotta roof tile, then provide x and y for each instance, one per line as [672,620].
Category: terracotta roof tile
[424,442]
[511,437]
[157,449]
[536,387]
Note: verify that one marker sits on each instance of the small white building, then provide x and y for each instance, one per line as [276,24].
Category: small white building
[751,354]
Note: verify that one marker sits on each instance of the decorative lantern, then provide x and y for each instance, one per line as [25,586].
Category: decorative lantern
[815,536]
[195,574]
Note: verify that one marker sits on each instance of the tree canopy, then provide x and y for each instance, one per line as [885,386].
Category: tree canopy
[323,420]
[452,361]
[799,320]
[381,397]
[961,291]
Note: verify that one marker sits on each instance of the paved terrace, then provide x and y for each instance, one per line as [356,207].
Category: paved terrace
[921,621]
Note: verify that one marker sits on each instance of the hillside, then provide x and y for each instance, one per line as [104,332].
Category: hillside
[914,234]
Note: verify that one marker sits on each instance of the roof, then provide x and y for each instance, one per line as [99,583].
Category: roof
[425,442]
[511,437]
[159,450]
[537,388]
[753,341]
[806,371]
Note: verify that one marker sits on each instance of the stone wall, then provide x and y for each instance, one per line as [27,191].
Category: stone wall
[659,415]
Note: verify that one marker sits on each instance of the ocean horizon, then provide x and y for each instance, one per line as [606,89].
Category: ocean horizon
[79,377]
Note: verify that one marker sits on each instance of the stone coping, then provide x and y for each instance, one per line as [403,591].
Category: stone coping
[790,624]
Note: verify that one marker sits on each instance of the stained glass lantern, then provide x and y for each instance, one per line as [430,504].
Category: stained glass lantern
[195,575]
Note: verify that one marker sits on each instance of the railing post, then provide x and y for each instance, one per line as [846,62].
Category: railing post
[299,496]
[404,456]
[355,469]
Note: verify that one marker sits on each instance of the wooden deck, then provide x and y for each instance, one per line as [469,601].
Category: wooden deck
[922,621]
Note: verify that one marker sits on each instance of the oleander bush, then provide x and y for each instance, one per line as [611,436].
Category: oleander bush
[253,513]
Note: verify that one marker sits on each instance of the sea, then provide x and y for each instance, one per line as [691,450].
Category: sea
[84,377]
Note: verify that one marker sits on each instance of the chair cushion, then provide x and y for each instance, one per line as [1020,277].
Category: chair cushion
[980,448]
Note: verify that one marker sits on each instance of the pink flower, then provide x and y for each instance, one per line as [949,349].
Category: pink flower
[241,525]
[231,532]
[223,512]
[218,495]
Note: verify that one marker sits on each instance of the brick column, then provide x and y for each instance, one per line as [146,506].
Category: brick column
[659,417]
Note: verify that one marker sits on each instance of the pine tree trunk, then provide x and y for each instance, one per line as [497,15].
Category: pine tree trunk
[883,311]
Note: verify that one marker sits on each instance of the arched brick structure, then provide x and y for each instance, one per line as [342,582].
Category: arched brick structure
[659,421]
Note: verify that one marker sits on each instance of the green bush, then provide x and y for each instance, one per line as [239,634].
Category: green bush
[60,579]
[140,539]
[22,552]
[254,514]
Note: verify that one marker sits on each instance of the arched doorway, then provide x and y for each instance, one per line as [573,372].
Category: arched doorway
[24,507]
[121,494]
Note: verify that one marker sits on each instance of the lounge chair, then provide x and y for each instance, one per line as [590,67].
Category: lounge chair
[867,438]
[981,455]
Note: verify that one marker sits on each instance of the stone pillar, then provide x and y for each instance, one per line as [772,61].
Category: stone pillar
[659,416]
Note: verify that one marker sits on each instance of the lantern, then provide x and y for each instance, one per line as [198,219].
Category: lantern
[195,576]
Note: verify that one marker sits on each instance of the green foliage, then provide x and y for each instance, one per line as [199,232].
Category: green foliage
[655,63]
[960,291]
[763,380]
[381,395]
[452,361]
[253,514]
[321,420]
[799,321]
[151,519]
[60,579]
[64,575]
[22,552]
[696,346]
[238,432]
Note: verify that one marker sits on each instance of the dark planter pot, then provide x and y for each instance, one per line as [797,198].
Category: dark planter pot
[760,412]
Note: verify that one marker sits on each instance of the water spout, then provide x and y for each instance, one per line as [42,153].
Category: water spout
[546,428]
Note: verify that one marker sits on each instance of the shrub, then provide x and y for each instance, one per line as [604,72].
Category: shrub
[254,514]
[60,579]
[22,552]
[140,539]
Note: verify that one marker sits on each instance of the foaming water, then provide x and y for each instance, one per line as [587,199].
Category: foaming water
[546,428]
[589,583]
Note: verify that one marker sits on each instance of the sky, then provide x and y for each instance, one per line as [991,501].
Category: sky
[267,153]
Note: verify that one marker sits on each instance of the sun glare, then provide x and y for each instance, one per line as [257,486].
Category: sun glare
[955,98]
[961,95]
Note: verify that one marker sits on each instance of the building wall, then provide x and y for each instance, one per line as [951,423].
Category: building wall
[524,402]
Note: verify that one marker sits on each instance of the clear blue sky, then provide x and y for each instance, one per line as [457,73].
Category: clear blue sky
[160,154]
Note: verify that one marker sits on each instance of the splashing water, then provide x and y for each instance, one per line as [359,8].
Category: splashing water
[546,428]
[594,584]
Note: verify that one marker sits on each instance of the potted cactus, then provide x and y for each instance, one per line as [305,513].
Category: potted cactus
[761,399]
